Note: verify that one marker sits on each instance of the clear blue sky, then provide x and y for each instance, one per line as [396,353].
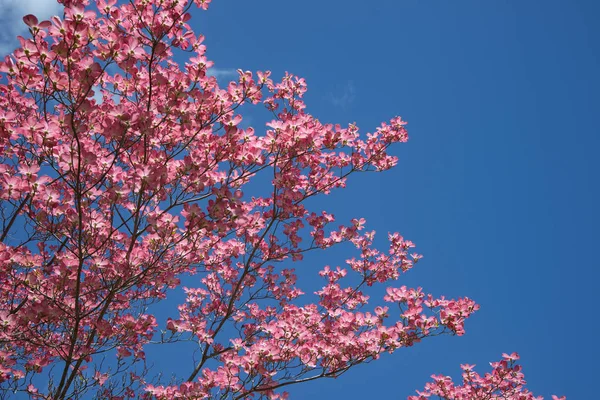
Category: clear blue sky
[498,185]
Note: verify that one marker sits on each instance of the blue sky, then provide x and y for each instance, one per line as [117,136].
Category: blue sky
[498,185]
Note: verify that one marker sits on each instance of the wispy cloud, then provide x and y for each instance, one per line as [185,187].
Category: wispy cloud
[222,73]
[97,95]
[11,19]
[344,97]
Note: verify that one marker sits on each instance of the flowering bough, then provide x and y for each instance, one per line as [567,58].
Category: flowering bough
[123,172]
[505,382]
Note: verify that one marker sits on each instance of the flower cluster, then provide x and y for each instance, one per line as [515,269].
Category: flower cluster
[506,381]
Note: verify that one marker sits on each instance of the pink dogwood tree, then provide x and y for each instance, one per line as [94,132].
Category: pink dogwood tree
[124,175]
[506,381]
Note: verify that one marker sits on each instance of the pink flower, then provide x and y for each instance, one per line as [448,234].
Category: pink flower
[32,22]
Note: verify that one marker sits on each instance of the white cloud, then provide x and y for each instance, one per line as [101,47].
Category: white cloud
[97,95]
[222,73]
[11,19]
[100,99]
[343,98]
